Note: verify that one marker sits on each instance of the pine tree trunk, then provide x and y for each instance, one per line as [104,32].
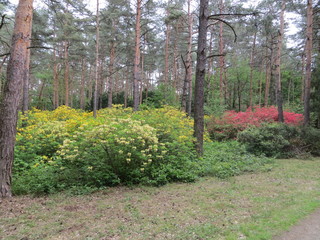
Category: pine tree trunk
[251,67]
[136,69]
[166,54]
[96,76]
[221,58]
[307,85]
[189,60]
[66,73]
[26,81]
[278,65]
[111,69]
[200,76]
[13,92]
[55,81]
[82,85]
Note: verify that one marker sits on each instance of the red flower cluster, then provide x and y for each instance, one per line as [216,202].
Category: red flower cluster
[232,122]
[260,115]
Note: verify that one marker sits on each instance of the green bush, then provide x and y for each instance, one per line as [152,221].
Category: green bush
[281,140]
[64,151]
[227,159]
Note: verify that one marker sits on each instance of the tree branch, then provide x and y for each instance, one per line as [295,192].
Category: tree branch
[233,14]
[2,20]
[228,24]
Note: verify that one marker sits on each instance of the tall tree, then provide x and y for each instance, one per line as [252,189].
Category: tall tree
[136,67]
[278,64]
[200,76]
[307,85]
[13,92]
[96,76]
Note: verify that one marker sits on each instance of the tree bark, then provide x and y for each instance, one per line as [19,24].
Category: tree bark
[278,65]
[111,69]
[82,85]
[55,81]
[26,81]
[13,92]
[66,72]
[307,84]
[221,58]
[166,53]
[96,77]
[200,76]
[189,59]
[136,68]
[251,67]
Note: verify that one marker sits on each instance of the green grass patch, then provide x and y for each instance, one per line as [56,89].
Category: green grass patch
[251,206]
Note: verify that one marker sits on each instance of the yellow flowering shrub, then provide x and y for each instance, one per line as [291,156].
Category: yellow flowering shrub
[119,146]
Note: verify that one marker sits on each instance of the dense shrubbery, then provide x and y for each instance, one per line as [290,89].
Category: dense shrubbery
[66,148]
[231,123]
[281,140]
[226,159]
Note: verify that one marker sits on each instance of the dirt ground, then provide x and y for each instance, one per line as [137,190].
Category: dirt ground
[307,229]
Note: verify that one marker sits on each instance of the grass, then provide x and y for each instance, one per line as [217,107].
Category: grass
[252,207]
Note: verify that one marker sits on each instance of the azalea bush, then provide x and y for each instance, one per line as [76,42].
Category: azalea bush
[231,123]
[69,148]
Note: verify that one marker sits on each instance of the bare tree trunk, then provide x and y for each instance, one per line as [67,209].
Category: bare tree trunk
[111,69]
[303,66]
[251,67]
[221,58]
[82,85]
[95,98]
[13,92]
[26,81]
[166,53]
[200,76]
[66,73]
[1,83]
[55,81]
[278,65]
[307,84]
[268,71]
[189,59]
[136,69]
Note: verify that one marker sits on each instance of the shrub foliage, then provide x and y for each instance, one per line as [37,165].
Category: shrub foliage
[231,123]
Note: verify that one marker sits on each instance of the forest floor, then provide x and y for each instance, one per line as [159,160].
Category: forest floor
[252,207]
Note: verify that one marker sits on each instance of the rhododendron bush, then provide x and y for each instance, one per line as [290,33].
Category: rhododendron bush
[228,126]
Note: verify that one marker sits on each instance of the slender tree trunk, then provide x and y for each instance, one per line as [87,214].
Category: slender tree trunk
[252,67]
[307,84]
[200,76]
[136,69]
[303,66]
[66,72]
[96,82]
[55,81]
[268,73]
[82,85]
[166,52]
[189,59]
[111,68]
[1,83]
[26,81]
[13,92]
[221,58]
[278,65]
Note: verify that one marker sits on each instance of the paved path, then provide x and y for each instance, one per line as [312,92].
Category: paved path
[307,229]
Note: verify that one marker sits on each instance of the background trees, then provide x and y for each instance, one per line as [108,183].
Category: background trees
[147,54]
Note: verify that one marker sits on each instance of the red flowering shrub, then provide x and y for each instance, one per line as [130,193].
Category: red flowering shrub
[228,126]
